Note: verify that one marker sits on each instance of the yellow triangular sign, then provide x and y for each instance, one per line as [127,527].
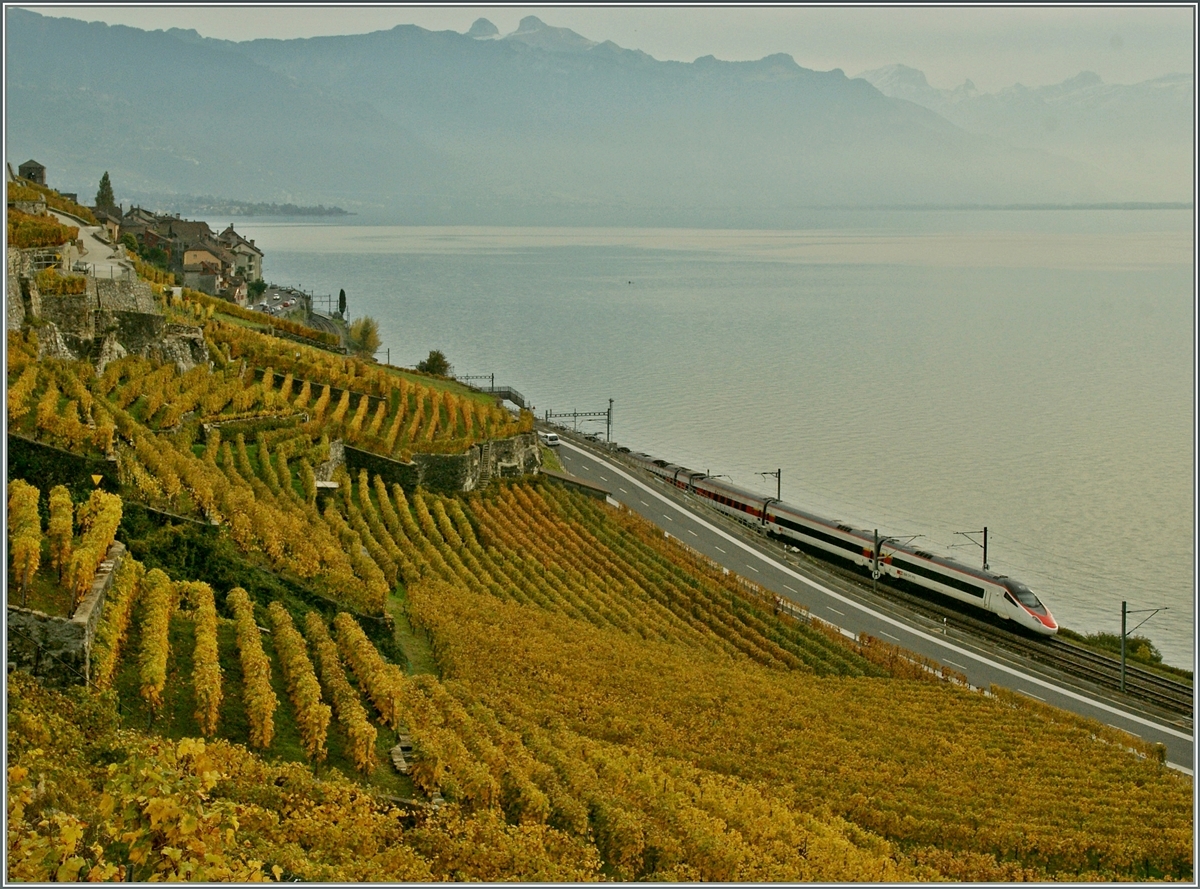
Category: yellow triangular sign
[96,479]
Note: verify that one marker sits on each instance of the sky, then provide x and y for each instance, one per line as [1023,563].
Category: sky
[994,47]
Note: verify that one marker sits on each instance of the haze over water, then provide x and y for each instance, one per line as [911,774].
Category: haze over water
[919,372]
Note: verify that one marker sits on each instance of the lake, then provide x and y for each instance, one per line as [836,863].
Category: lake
[919,372]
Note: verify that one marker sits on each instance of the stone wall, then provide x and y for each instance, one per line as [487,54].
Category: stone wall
[33,208]
[518,455]
[125,295]
[73,314]
[14,301]
[58,649]
[449,473]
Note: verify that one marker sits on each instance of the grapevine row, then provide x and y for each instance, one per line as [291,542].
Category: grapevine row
[346,705]
[312,714]
[257,694]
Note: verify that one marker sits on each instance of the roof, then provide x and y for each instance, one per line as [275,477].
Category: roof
[30,163]
[233,239]
[192,230]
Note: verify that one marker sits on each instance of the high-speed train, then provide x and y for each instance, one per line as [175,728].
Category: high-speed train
[1004,596]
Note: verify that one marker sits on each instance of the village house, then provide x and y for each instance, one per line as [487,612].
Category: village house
[247,257]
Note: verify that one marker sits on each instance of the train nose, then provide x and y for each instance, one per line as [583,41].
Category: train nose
[1047,620]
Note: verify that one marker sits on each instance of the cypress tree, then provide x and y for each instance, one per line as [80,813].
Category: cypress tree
[104,197]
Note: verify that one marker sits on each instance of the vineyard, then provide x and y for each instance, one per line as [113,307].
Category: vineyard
[613,707]
[577,696]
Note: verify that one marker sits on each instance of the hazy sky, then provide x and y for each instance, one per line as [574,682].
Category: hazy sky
[995,47]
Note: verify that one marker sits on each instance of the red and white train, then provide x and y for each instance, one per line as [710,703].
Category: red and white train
[1004,596]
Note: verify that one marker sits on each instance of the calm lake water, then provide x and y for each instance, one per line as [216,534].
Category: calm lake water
[923,373]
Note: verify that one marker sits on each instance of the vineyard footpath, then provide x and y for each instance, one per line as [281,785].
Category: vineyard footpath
[597,703]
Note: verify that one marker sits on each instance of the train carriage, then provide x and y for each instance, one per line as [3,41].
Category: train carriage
[1001,595]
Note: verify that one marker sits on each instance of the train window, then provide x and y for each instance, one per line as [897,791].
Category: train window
[1026,597]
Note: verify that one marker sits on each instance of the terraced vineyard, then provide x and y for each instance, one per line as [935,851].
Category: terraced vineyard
[594,701]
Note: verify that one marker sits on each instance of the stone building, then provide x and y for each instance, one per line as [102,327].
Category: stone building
[33,171]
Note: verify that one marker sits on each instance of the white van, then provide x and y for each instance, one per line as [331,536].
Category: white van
[550,439]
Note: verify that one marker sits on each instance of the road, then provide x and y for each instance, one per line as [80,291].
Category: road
[102,259]
[852,608]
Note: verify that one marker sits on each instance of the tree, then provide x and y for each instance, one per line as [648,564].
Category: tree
[364,336]
[258,288]
[437,364]
[342,303]
[104,197]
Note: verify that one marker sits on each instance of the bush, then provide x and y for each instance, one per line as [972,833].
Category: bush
[25,230]
[436,364]
[51,283]
[1137,648]
[31,191]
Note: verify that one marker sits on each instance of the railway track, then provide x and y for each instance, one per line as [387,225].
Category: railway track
[1096,668]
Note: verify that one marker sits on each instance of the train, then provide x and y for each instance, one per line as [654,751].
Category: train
[996,593]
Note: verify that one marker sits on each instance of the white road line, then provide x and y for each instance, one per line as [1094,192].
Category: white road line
[622,490]
[940,642]
[603,479]
[953,663]
[752,568]
[644,503]
[889,635]
[835,611]
[667,517]
[718,549]
[1031,694]
[1125,730]
[786,587]
[693,533]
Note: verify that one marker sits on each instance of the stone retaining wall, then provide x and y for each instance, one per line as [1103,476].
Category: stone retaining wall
[58,649]
[450,473]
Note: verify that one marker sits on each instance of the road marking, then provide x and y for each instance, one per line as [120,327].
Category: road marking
[667,517]
[644,503]
[889,635]
[622,490]
[835,611]
[603,479]
[1125,730]
[938,641]
[752,568]
[1031,694]
[786,587]
[718,549]
[953,663]
[693,533]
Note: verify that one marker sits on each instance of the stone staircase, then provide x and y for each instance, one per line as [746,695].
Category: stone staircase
[398,753]
[485,465]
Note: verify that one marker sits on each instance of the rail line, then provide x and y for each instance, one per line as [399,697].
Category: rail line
[1095,668]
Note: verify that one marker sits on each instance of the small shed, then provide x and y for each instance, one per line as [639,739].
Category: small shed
[33,171]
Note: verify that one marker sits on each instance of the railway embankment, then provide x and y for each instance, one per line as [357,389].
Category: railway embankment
[1091,671]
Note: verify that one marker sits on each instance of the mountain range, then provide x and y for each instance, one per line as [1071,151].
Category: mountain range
[538,127]
[1141,135]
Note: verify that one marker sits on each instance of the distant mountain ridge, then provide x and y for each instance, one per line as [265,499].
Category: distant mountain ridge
[540,126]
[1142,133]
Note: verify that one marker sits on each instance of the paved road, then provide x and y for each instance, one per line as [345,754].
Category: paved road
[103,260]
[845,604]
